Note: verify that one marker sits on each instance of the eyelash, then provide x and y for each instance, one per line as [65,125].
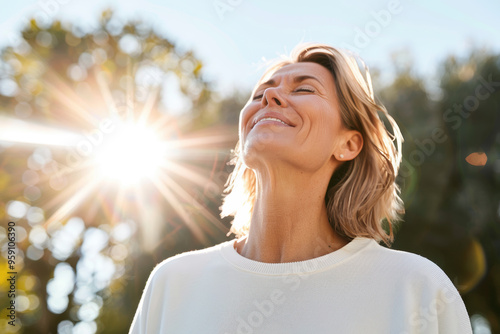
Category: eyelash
[310,90]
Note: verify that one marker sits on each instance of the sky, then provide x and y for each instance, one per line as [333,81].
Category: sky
[235,38]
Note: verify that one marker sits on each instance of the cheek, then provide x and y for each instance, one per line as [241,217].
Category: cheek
[325,132]
[329,128]
[246,113]
[325,122]
[243,120]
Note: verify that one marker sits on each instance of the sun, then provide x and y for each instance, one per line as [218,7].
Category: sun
[133,153]
[143,160]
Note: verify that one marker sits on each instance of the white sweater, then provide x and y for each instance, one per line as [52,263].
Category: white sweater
[360,288]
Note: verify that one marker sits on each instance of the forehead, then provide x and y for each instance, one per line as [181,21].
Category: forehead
[298,69]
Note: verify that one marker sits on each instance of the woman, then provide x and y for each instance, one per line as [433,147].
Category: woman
[313,193]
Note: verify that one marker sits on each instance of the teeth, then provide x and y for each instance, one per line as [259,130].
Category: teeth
[271,119]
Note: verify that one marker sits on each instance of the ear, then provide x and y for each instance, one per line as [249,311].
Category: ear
[350,148]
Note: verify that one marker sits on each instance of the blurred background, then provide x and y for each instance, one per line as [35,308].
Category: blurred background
[117,119]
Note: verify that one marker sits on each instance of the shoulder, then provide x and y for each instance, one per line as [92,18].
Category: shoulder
[186,262]
[409,267]
[401,259]
[437,304]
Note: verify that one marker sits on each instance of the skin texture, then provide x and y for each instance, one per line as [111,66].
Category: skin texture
[293,164]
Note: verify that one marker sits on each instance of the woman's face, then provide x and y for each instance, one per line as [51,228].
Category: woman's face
[294,117]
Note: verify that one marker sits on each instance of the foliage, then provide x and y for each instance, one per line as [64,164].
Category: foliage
[452,205]
[83,269]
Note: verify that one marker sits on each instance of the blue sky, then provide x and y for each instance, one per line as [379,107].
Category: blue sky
[234,37]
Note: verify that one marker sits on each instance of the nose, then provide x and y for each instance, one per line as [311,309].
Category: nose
[272,97]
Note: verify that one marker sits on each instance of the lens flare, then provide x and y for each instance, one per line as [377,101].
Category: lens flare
[132,154]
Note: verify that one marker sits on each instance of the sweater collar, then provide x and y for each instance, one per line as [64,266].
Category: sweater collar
[317,264]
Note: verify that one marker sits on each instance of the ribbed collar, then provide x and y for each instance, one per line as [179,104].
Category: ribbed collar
[308,266]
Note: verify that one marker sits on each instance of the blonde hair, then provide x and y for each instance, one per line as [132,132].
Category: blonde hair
[362,197]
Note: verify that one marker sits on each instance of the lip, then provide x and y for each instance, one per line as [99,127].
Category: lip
[272,114]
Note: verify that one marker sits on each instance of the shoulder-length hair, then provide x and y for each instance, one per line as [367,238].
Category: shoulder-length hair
[362,197]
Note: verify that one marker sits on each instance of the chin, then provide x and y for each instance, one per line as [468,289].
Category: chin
[256,152]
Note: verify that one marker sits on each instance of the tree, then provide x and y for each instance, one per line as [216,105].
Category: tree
[78,256]
[451,205]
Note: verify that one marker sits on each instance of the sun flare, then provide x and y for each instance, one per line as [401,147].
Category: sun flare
[130,160]
[132,154]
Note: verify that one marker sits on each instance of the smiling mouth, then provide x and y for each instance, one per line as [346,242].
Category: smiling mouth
[273,119]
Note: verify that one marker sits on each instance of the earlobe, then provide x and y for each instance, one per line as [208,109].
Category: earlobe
[352,146]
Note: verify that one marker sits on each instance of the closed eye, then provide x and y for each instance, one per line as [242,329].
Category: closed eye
[308,90]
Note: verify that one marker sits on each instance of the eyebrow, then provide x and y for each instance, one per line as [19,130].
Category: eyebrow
[297,79]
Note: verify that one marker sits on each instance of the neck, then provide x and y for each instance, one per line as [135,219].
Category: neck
[289,221]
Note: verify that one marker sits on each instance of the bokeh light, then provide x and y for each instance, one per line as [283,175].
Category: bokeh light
[480,324]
